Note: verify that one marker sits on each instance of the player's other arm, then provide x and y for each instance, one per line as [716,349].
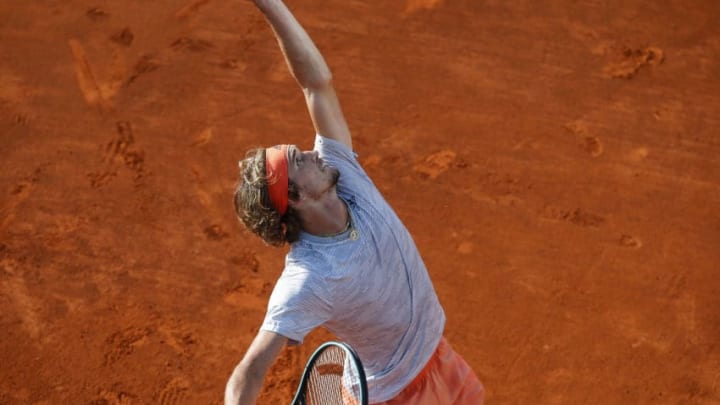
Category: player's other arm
[310,70]
[245,383]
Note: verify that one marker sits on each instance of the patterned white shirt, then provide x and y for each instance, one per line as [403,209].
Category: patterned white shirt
[368,285]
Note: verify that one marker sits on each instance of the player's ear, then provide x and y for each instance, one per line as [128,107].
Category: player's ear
[295,195]
[299,204]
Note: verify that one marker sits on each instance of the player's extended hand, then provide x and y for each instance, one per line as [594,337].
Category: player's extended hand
[261,3]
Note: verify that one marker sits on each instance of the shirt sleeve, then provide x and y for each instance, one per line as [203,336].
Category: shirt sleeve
[297,305]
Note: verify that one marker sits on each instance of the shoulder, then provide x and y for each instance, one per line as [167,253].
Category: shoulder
[304,267]
[303,281]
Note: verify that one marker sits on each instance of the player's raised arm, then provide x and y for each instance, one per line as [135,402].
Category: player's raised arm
[308,67]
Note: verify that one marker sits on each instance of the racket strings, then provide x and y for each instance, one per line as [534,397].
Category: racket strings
[333,380]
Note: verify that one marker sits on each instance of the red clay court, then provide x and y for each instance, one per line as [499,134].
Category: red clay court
[557,163]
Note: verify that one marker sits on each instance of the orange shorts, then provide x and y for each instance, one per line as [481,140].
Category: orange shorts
[446,380]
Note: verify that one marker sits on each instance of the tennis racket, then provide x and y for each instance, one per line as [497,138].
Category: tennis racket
[334,375]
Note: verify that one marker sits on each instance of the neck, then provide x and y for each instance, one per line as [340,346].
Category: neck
[325,217]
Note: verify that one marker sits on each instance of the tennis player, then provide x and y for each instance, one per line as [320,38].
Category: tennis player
[352,266]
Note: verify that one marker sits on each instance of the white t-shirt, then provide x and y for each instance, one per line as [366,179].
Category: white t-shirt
[368,285]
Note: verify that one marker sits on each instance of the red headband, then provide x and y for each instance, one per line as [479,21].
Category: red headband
[276,171]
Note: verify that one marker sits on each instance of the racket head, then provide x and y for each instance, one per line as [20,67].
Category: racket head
[333,375]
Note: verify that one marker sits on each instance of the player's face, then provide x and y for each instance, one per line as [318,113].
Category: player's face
[308,171]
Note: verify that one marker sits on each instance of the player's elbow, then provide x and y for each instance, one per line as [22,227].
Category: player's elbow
[318,89]
[319,79]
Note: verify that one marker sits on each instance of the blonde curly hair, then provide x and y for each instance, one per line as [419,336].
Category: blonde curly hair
[253,206]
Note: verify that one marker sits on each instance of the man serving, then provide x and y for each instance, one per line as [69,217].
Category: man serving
[352,267]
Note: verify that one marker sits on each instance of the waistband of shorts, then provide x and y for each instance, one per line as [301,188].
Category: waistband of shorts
[434,359]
